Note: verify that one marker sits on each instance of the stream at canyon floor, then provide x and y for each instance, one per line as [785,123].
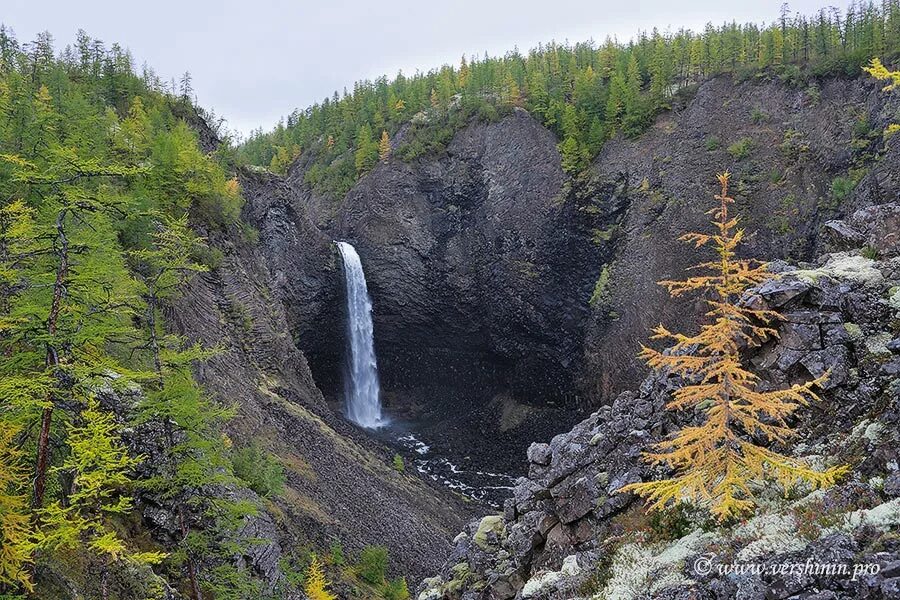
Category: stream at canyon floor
[461,474]
[363,402]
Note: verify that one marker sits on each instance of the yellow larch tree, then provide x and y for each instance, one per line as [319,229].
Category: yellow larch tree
[384,147]
[715,463]
[17,534]
[316,585]
[462,77]
[877,70]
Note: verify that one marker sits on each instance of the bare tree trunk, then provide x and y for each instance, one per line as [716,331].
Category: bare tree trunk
[104,581]
[51,361]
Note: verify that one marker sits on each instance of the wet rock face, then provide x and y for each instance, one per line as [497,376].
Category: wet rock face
[305,275]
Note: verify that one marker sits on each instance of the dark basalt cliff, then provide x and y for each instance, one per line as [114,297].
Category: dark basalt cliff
[509,298]
[483,260]
[797,140]
[479,263]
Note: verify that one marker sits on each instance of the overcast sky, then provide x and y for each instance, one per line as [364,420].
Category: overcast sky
[254,61]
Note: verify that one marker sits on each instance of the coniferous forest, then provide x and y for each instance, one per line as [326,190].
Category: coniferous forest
[117,190]
[586,93]
[100,175]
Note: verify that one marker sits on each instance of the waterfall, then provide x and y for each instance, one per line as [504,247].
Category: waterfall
[361,384]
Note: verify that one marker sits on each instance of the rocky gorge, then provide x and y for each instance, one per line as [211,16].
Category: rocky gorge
[509,302]
[505,288]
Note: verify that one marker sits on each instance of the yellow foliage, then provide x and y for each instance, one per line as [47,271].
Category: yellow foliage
[714,464]
[284,156]
[17,536]
[880,72]
[233,186]
[100,467]
[384,147]
[463,73]
[316,586]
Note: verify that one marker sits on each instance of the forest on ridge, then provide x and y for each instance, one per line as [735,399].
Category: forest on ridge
[586,92]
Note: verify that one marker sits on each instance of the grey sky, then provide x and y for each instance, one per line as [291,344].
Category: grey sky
[256,60]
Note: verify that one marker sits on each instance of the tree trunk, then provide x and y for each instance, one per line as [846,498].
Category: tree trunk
[191,567]
[152,306]
[104,581]
[51,361]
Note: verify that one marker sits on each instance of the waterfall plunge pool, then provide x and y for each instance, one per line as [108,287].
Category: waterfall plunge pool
[362,399]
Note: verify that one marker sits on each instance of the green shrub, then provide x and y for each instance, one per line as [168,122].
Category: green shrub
[712,143]
[775,175]
[814,93]
[673,523]
[793,145]
[373,561]
[870,252]
[250,233]
[399,465]
[758,116]
[395,590]
[261,471]
[208,256]
[601,291]
[487,113]
[841,188]
[862,128]
[741,149]
[336,554]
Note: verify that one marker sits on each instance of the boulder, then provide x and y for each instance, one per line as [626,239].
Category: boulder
[539,454]
[841,236]
[778,292]
[575,497]
[881,227]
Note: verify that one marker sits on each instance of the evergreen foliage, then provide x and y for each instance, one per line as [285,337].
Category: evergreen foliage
[99,178]
[395,589]
[373,562]
[586,93]
[718,463]
[18,539]
[261,471]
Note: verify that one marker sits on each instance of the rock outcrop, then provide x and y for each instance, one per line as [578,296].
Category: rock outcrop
[789,150]
[567,533]
[509,298]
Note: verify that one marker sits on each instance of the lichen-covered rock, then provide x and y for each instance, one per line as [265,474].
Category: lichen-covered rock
[834,324]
